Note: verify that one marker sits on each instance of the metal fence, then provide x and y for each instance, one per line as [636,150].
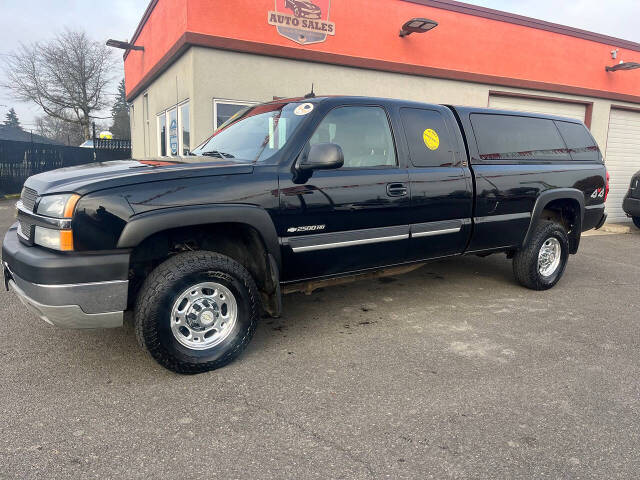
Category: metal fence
[20,160]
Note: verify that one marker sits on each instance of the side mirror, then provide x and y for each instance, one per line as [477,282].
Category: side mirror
[323,156]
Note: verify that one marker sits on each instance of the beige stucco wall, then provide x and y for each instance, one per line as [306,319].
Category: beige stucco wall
[175,85]
[203,74]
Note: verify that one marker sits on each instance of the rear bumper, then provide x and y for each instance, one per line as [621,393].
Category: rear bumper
[594,217]
[69,291]
[631,206]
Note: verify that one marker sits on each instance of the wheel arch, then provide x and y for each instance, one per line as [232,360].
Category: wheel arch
[560,200]
[144,225]
[149,236]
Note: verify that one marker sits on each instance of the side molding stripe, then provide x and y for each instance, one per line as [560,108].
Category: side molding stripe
[436,232]
[502,218]
[350,243]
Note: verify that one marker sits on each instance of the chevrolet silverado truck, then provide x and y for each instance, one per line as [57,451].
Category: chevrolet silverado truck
[290,196]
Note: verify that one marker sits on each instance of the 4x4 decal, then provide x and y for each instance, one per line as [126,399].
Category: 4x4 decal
[303,21]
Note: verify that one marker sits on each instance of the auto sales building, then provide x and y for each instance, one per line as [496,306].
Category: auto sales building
[203,60]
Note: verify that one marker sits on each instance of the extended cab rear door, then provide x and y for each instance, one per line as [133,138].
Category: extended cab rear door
[440,182]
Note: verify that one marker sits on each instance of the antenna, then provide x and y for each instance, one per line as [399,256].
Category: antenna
[310,95]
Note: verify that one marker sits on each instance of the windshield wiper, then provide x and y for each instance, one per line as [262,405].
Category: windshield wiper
[215,153]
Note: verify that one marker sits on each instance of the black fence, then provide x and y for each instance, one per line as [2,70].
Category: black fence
[20,160]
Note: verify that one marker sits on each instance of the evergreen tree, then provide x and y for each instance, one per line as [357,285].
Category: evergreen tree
[11,119]
[120,113]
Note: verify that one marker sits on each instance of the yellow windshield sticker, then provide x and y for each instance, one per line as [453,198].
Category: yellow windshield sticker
[431,139]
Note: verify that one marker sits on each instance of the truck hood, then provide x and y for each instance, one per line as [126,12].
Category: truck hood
[97,176]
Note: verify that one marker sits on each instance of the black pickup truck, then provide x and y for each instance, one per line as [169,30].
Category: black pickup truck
[292,195]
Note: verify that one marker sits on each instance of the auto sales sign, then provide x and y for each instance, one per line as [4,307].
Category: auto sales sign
[303,21]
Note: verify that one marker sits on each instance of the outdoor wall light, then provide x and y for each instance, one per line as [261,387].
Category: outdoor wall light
[417,25]
[123,45]
[622,66]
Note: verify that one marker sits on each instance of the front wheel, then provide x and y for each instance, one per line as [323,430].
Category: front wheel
[636,221]
[539,265]
[196,312]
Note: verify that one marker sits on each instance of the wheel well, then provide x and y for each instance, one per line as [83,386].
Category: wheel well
[238,241]
[566,212]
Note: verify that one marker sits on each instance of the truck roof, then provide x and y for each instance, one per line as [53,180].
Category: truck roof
[461,110]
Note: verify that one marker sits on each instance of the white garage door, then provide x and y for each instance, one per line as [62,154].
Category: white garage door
[547,107]
[622,158]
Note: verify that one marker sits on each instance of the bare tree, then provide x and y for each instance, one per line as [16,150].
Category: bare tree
[67,76]
[63,131]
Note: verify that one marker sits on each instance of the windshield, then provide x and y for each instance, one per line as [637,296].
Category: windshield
[255,134]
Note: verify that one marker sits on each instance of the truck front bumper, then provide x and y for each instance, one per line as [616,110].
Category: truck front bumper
[67,290]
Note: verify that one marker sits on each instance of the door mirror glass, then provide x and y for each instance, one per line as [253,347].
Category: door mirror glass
[322,156]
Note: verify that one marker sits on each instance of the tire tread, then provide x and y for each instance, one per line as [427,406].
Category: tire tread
[171,271]
[525,261]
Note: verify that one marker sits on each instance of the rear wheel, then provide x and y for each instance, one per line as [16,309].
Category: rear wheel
[539,265]
[636,221]
[197,312]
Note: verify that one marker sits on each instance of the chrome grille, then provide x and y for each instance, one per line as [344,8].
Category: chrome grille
[28,198]
[26,227]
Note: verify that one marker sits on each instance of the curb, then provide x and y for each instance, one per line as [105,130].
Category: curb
[616,228]
[9,197]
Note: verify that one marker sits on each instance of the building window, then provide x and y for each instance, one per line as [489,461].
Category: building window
[162,135]
[185,130]
[174,131]
[224,110]
[145,127]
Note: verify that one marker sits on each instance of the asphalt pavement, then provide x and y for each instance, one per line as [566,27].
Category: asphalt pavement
[451,371]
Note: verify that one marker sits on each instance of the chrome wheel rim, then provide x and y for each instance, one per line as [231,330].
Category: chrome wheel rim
[204,315]
[549,257]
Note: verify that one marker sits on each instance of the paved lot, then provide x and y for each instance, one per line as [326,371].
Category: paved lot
[452,371]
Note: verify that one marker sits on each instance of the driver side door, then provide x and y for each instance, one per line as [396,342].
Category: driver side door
[351,218]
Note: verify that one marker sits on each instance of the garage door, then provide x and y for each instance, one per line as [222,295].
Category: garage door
[622,158]
[531,105]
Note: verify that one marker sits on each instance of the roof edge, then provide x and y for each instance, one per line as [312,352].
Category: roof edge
[141,24]
[502,16]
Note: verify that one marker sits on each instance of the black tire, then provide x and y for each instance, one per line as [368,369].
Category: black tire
[636,221]
[525,261]
[297,12]
[161,290]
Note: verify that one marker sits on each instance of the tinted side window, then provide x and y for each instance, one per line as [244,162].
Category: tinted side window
[362,132]
[428,137]
[580,143]
[509,137]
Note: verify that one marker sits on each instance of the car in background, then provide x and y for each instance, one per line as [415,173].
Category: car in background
[631,203]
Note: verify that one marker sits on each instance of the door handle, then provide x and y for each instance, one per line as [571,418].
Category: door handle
[396,189]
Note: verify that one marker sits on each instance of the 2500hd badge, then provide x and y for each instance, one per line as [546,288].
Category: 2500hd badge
[199,248]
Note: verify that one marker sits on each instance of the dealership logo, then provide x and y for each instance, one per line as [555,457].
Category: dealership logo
[303,21]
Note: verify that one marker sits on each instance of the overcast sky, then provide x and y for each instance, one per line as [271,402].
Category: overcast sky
[33,20]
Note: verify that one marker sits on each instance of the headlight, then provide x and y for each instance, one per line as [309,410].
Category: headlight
[58,206]
[56,239]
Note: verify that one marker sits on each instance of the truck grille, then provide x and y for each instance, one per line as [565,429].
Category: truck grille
[26,227]
[28,198]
